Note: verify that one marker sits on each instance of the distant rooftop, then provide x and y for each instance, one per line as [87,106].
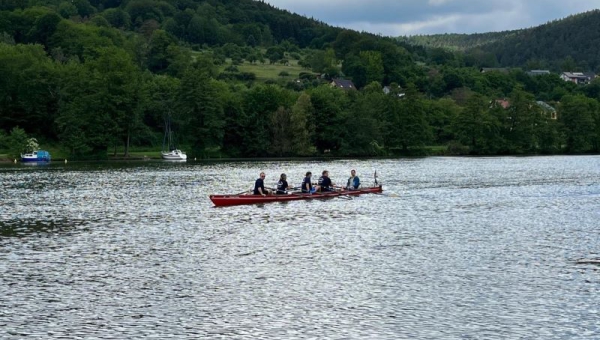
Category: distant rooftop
[343,84]
[538,72]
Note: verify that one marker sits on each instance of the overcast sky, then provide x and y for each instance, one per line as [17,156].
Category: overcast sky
[410,17]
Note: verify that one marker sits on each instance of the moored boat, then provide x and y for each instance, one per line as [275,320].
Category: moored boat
[170,151]
[36,156]
[235,199]
[174,155]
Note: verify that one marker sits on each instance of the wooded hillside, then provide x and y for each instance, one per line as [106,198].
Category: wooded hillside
[93,78]
[457,42]
[562,44]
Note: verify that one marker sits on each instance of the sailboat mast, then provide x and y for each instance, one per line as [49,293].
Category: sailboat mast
[167,138]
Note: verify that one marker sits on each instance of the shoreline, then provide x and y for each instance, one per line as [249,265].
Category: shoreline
[224,159]
[266,159]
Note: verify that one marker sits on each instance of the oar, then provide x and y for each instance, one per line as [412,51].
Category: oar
[287,191]
[275,189]
[295,190]
[245,192]
[344,196]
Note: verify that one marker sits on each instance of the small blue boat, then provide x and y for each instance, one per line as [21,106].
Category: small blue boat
[36,156]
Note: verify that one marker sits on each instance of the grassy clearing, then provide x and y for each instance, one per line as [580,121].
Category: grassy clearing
[268,71]
[265,71]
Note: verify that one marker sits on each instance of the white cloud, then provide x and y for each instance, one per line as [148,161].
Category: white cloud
[438,2]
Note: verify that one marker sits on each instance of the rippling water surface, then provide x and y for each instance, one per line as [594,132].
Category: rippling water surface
[455,248]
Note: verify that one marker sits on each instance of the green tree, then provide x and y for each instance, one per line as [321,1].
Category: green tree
[373,66]
[84,8]
[412,130]
[77,40]
[578,115]
[259,104]
[198,102]
[329,105]
[440,115]
[353,67]
[142,10]
[233,109]
[117,18]
[28,89]
[322,61]
[17,142]
[275,53]
[251,41]
[303,129]
[520,123]
[159,55]
[568,64]
[281,127]
[99,103]
[160,105]
[195,30]
[550,138]
[44,28]
[345,42]
[67,9]
[475,126]
[362,128]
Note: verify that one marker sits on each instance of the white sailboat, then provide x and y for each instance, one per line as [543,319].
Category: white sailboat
[174,155]
[170,151]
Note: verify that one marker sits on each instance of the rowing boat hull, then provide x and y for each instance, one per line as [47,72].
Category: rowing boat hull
[228,200]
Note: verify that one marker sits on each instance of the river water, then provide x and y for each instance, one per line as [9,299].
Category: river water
[455,248]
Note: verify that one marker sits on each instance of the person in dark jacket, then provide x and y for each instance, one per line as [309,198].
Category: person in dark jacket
[282,185]
[259,185]
[325,183]
[307,186]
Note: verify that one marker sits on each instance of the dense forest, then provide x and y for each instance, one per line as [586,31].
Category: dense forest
[97,78]
[457,41]
[560,45]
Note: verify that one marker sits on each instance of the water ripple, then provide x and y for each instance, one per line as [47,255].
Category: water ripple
[455,248]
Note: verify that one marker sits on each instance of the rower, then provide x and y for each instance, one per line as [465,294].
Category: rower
[259,185]
[282,185]
[325,182]
[307,187]
[353,181]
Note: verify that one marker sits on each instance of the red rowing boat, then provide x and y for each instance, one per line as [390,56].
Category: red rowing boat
[226,200]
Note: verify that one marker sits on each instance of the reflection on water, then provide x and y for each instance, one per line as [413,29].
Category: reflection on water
[455,248]
[24,228]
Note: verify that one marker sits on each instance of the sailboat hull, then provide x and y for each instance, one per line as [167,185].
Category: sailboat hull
[174,155]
